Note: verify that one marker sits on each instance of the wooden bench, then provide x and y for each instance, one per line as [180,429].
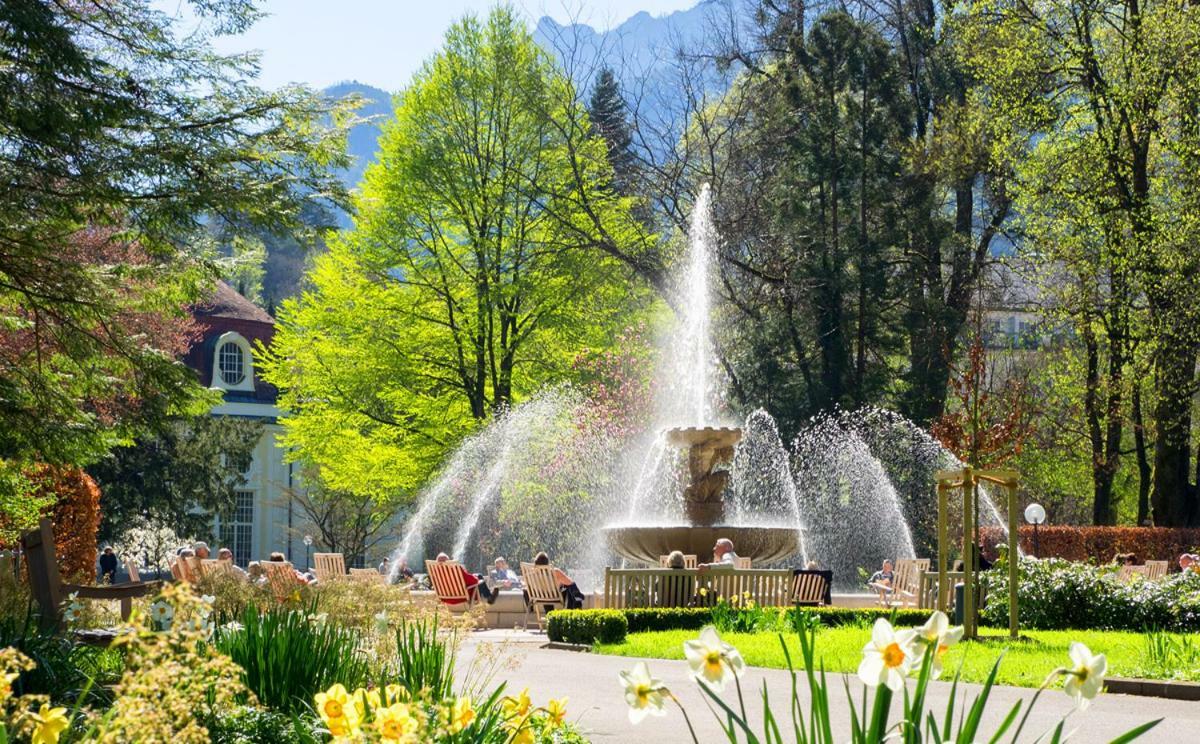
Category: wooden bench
[327,566]
[811,588]
[45,582]
[661,587]
[689,561]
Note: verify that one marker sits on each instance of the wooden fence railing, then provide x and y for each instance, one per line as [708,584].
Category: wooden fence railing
[680,587]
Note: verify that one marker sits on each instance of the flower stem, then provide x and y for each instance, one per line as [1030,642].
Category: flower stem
[1033,701]
[686,718]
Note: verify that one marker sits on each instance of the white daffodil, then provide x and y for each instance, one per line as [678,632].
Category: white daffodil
[208,599]
[887,657]
[937,633]
[644,694]
[381,621]
[1085,676]
[713,661]
[161,612]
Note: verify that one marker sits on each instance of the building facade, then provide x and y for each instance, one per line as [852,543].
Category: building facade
[265,518]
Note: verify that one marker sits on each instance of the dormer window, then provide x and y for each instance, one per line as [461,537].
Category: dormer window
[233,364]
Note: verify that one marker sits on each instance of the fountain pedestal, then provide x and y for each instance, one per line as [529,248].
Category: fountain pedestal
[704,507]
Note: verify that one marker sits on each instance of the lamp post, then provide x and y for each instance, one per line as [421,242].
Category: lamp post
[307,547]
[1035,514]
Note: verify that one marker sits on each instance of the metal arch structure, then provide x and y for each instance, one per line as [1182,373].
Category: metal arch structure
[968,479]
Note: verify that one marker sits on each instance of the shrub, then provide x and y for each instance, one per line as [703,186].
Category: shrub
[1099,544]
[1055,594]
[76,517]
[288,655]
[587,626]
[247,725]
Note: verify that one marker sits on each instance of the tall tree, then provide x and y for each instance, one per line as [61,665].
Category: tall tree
[471,276]
[607,112]
[121,138]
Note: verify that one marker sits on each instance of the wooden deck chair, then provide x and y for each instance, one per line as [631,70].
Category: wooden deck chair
[281,578]
[366,575]
[447,581]
[132,569]
[907,584]
[742,562]
[328,566]
[1128,574]
[45,582]
[210,567]
[811,588]
[542,590]
[1156,570]
[689,560]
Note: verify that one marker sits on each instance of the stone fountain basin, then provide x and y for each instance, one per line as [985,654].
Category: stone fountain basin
[707,437]
[646,544]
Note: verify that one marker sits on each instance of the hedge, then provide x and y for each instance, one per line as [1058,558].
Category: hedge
[1099,544]
[586,626]
[590,626]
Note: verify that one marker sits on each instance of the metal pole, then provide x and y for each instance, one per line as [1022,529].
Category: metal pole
[1013,558]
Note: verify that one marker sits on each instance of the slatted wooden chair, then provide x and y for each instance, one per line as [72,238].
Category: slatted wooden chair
[1129,574]
[131,568]
[48,590]
[542,590]
[329,566]
[448,583]
[281,578]
[907,584]
[1156,570]
[811,588]
[689,560]
[365,575]
[742,562]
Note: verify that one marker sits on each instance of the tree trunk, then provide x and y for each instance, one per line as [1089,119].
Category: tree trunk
[1173,497]
[1145,473]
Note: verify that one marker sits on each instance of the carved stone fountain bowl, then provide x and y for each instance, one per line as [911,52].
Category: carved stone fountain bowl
[708,437]
[646,544]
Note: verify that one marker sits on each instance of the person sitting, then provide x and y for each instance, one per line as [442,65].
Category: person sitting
[476,588]
[572,597]
[108,566]
[256,573]
[1187,562]
[225,554]
[675,560]
[723,556]
[883,580]
[200,549]
[403,571]
[503,577]
[301,577]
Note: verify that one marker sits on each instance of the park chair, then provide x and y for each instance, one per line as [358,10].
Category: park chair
[281,578]
[1156,570]
[811,588]
[908,581]
[132,569]
[327,566]
[742,562]
[689,561]
[542,591]
[448,583]
[365,575]
[45,582]
[1127,574]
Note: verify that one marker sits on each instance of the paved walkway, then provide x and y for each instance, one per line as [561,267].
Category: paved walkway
[597,704]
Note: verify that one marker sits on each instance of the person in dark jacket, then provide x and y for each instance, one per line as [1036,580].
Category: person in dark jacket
[108,566]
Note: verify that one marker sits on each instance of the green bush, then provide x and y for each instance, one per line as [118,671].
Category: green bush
[247,725]
[1054,594]
[586,626]
[288,656]
[643,620]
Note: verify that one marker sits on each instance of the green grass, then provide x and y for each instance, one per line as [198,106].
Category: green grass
[1026,662]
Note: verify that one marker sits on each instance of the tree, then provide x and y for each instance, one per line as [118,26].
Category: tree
[607,112]
[1097,102]
[122,139]
[475,271]
[187,471]
[347,523]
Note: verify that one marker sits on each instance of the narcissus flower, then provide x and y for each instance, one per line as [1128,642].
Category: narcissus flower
[48,724]
[161,612]
[644,694]
[937,633]
[1085,676]
[887,657]
[336,711]
[461,714]
[713,661]
[556,713]
[517,706]
[396,723]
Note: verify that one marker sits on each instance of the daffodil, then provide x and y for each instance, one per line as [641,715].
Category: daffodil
[556,713]
[396,723]
[644,694]
[1086,675]
[394,693]
[937,633]
[461,714]
[365,701]
[48,724]
[336,711]
[517,706]
[703,591]
[161,612]
[887,657]
[713,661]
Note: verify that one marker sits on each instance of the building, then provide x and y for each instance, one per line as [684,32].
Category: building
[265,518]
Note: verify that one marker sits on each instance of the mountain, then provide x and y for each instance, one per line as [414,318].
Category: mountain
[362,141]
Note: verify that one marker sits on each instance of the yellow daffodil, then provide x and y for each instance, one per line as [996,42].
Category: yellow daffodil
[394,693]
[461,715]
[887,657]
[517,706]
[556,713]
[365,701]
[644,694]
[937,633]
[713,661]
[396,723]
[703,591]
[336,711]
[49,723]
[1085,676]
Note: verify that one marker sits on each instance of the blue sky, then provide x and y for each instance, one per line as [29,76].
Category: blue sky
[383,42]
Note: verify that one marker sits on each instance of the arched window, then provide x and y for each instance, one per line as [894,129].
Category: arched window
[233,365]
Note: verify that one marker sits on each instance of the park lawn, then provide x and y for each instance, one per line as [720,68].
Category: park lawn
[1026,662]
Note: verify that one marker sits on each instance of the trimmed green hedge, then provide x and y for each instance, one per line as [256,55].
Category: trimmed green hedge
[586,626]
[611,626]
